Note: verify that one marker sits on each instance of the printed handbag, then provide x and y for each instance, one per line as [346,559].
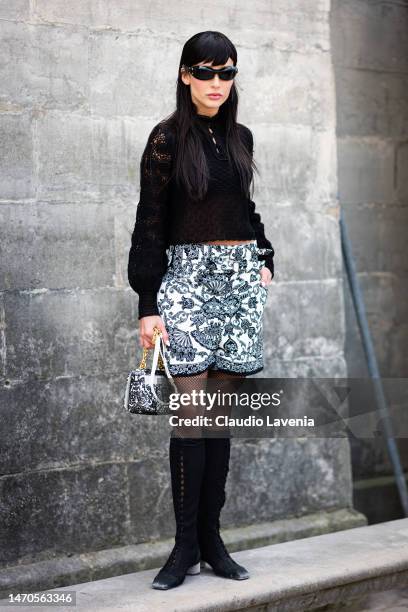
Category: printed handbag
[147,390]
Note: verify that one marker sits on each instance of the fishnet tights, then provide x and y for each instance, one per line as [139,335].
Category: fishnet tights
[194,406]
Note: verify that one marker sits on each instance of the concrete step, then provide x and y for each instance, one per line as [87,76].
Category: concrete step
[299,575]
[73,568]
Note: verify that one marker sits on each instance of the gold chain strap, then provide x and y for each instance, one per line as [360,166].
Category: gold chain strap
[160,364]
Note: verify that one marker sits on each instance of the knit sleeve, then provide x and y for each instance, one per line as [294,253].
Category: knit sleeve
[147,261]
[256,221]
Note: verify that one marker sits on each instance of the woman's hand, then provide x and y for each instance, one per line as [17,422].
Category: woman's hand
[266,276]
[146,327]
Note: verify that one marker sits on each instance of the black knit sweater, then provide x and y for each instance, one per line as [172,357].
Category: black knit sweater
[165,215]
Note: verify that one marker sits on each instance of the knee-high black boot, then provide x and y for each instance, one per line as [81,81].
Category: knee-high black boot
[187,460]
[212,499]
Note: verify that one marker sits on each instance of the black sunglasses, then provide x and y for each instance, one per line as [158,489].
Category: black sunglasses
[205,73]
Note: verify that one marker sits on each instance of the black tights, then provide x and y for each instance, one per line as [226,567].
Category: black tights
[189,408]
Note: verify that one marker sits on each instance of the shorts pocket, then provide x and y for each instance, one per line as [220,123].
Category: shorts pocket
[161,294]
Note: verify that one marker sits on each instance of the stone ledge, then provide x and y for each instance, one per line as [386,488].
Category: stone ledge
[67,570]
[299,575]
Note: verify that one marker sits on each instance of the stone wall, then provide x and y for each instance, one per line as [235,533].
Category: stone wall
[370,60]
[83,84]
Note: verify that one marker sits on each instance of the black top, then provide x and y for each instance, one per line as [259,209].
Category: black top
[166,215]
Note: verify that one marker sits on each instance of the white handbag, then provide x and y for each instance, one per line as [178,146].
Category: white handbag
[147,390]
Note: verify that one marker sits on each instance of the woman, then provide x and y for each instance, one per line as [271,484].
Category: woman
[201,265]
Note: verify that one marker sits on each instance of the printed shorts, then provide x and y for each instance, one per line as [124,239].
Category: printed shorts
[211,301]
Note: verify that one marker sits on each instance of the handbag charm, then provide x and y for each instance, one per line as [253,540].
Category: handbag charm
[147,390]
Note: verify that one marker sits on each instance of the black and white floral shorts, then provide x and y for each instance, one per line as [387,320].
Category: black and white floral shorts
[211,301]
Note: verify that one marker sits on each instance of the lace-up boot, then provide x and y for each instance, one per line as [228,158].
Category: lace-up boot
[212,499]
[187,460]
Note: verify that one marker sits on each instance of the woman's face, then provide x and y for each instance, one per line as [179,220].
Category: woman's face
[200,90]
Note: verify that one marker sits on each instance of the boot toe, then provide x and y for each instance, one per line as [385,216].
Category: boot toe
[227,568]
[165,580]
[240,573]
[236,573]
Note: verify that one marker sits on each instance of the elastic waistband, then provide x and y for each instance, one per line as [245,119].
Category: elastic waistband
[206,248]
[247,250]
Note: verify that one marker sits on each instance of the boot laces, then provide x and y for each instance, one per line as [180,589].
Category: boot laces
[175,555]
[171,561]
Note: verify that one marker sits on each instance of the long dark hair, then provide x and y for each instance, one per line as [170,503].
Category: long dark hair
[190,164]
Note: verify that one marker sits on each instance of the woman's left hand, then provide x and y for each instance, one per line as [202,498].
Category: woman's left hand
[266,276]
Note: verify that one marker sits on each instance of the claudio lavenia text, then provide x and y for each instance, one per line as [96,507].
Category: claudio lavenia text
[249,421]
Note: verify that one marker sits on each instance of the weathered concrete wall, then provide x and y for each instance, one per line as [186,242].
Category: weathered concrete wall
[370,59]
[85,83]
